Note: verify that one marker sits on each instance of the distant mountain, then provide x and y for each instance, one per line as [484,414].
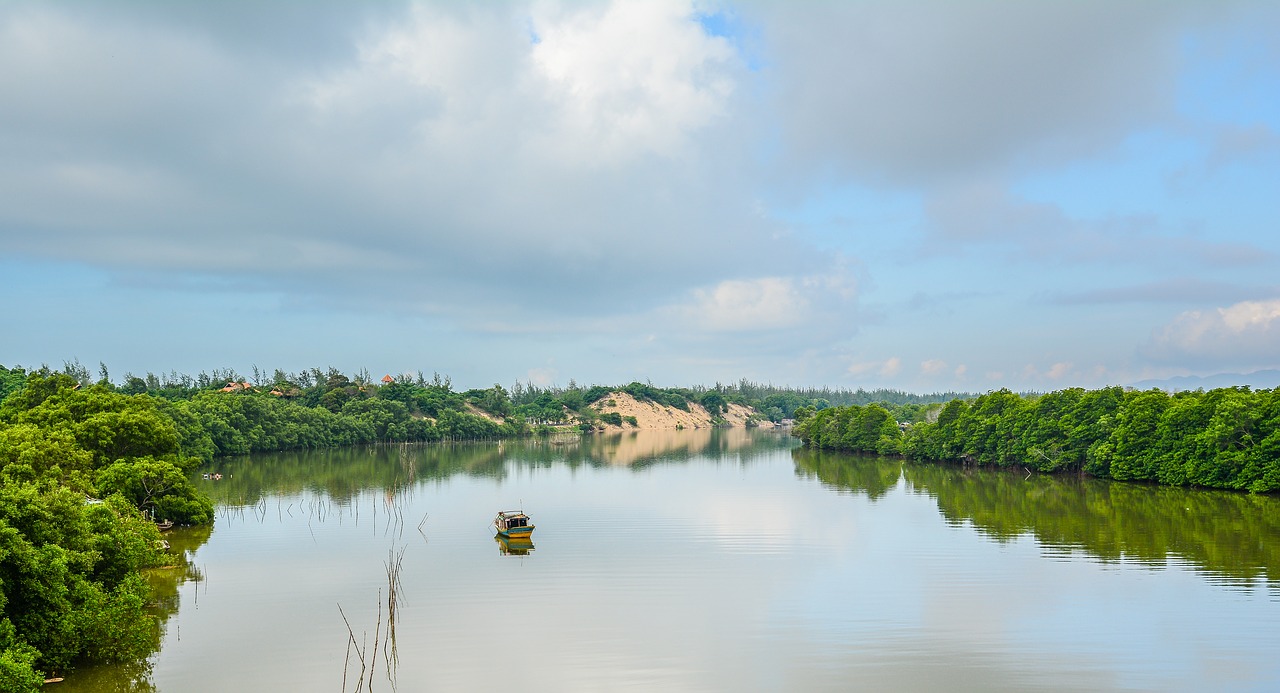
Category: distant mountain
[1258,380]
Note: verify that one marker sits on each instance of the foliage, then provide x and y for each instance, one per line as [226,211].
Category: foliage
[859,429]
[493,400]
[10,380]
[612,417]
[1225,438]
[786,400]
[70,588]
[714,402]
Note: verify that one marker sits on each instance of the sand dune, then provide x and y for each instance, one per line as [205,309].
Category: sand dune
[651,415]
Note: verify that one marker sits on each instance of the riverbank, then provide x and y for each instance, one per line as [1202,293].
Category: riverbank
[1227,438]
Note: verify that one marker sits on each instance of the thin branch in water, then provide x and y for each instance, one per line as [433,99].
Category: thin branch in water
[390,651]
[351,635]
[377,630]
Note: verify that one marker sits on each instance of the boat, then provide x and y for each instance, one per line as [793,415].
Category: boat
[164,526]
[513,523]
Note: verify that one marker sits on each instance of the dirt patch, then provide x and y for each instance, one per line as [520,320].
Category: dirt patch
[473,409]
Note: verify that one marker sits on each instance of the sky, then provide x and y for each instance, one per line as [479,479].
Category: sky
[928,196]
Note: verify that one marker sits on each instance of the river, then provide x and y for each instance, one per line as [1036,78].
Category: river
[706,561]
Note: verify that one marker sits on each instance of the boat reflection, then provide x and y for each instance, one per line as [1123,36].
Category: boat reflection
[513,546]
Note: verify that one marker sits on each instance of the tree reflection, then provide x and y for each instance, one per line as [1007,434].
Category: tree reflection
[135,677]
[342,474]
[1233,538]
[869,475]
[1227,535]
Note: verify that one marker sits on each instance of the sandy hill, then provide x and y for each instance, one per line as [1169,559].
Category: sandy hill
[652,415]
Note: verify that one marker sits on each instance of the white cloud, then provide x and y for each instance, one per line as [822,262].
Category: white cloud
[891,366]
[1058,370]
[1245,334]
[630,78]
[760,304]
[886,369]
[444,146]
[933,366]
[766,303]
[541,376]
[602,176]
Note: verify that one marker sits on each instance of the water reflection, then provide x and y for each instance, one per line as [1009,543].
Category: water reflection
[513,546]
[1227,536]
[701,561]
[871,476]
[342,474]
[165,583]
[644,448]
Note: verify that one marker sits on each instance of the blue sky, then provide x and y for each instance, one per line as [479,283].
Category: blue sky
[921,195]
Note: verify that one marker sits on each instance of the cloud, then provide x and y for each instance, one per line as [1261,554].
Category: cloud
[1244,334]
[767,304]
[1254,146]
[736,305]
[451,160]
[925,92]
[603,178]
[887,368]
[933,367]
[542,377]
[1235,143]
[630,79]
[1174,290]
[984,212]
[1058,370]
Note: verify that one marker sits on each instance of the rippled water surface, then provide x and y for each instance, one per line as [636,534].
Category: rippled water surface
[711,561]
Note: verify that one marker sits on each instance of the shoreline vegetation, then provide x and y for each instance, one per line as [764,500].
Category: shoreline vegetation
[88,466]
[1225,438]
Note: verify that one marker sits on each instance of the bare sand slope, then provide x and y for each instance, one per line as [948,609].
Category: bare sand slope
[651,415]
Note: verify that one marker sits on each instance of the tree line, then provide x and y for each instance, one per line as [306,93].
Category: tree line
[84,475]
[1224,438]
[536,405]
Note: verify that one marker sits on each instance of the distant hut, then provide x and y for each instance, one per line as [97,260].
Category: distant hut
[387,379]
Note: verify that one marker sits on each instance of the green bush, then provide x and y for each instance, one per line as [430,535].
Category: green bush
[612,417]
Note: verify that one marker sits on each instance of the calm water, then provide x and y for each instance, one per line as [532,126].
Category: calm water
[711,561]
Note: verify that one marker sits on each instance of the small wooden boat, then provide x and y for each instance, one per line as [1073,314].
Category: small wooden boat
[164,526]
[513,523]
